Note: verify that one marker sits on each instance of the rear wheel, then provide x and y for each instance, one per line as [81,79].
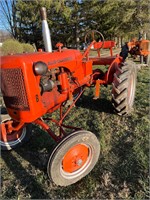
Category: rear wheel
[123,88]
[73,158]
[141,59]
[147,60]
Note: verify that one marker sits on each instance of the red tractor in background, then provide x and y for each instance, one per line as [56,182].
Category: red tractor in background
[39,83]
[137,48]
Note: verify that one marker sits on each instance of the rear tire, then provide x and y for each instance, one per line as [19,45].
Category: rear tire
[147,60]
[73,158]
[141,59]
[123,88]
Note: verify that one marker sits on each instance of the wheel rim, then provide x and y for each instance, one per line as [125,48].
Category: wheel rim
[76,161]
[13,138]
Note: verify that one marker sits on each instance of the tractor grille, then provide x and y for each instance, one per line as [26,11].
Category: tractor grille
[13,89]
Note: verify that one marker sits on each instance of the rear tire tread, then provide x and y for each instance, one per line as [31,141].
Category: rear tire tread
[121,85]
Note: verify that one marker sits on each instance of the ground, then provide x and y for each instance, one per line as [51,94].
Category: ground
[122,169]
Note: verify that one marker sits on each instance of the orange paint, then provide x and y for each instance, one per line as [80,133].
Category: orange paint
[68,70]
[75,158]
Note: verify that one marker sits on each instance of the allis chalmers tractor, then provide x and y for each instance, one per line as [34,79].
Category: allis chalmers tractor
[35,85]
[139,48]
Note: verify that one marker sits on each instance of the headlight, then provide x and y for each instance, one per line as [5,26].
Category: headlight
[40,68]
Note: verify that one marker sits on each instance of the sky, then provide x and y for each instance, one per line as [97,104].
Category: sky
[3,21]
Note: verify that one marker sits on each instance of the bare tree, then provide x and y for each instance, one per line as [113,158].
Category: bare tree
[9,16]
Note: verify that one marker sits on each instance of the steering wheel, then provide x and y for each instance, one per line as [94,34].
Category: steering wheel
[94,35]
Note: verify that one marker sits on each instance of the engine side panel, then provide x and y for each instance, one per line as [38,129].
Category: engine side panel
[21,87]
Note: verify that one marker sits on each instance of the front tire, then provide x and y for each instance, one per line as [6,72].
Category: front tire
[73,158]
[123,88]
[16,138]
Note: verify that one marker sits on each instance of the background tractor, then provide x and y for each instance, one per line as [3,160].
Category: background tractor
[137,48]
[35,85]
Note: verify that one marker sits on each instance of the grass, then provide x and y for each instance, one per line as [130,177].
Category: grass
[122,169]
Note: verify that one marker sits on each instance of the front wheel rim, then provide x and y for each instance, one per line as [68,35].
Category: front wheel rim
[83,161]
[14,138]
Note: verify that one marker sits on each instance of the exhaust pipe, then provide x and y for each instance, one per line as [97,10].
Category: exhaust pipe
[45,30]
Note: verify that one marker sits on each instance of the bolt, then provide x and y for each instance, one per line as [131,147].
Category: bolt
[79,162]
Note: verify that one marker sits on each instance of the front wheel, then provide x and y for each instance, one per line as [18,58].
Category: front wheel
[9,141]
[73,158]
[123,88]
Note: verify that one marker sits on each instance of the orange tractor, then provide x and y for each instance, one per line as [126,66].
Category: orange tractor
[139,48]
[39,83]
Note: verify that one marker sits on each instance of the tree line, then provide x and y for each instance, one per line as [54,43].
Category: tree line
[69,20]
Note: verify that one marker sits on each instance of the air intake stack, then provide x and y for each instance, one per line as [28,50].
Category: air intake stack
[45,31]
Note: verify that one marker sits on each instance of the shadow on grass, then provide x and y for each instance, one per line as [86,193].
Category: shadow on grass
[128,168]
[99,105]
[121,166]
[27,181]
[38,149]
[34,154]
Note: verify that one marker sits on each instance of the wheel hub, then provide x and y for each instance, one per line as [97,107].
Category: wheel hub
[79,162]
[6,136]
[75,158]
[10,140]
